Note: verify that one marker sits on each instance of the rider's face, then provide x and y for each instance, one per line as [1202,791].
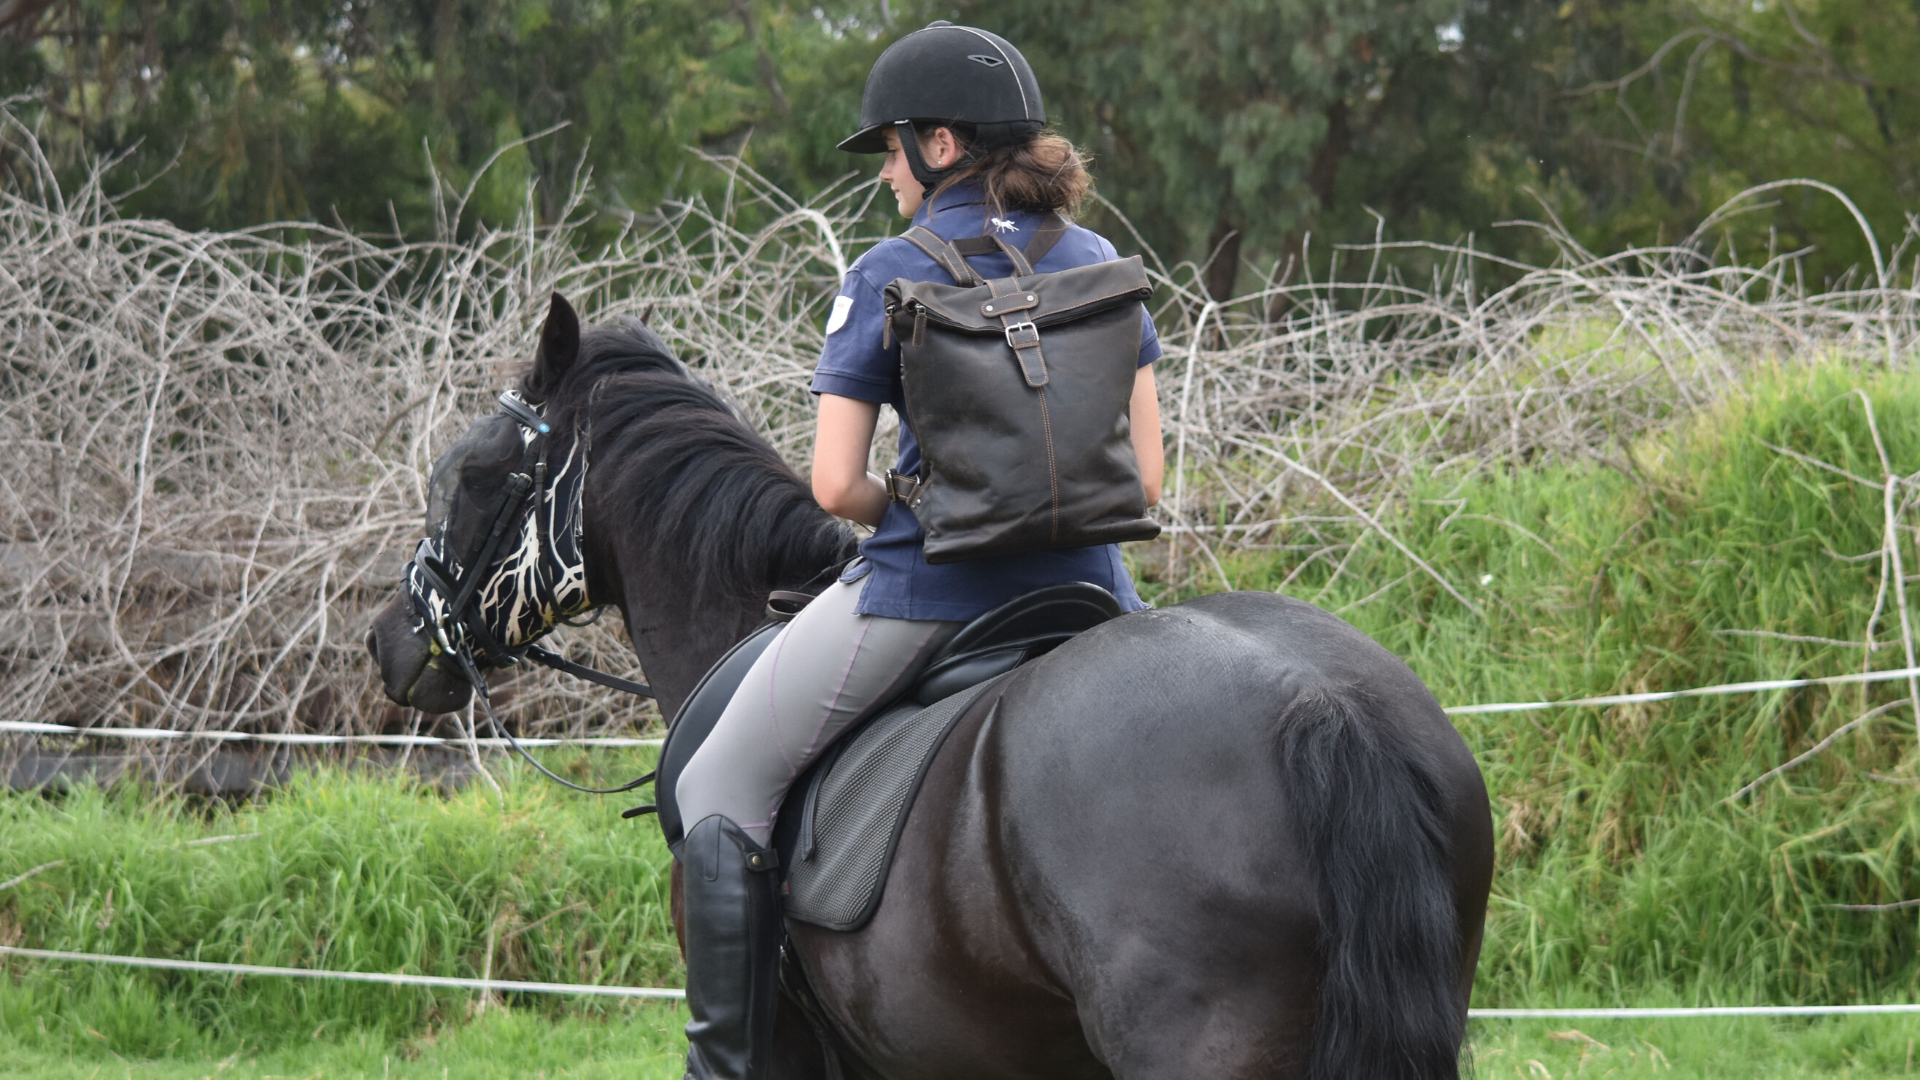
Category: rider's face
[937,148]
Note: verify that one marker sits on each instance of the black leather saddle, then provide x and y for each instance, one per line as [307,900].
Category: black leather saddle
[1017,631]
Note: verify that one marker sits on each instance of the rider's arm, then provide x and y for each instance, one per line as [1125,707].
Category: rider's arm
[842,440]
[1143,413]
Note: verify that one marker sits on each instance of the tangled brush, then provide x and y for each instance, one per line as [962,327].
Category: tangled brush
[218,441]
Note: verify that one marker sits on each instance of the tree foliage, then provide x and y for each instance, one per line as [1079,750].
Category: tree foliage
[1231,121]
[1635,120]
[1233,133]
[262,110]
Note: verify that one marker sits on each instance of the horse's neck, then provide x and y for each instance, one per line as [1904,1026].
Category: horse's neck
[675,637]
[754,525]
[675,652]
[676,634]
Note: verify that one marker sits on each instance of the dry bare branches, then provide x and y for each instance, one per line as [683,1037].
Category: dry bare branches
[216,442]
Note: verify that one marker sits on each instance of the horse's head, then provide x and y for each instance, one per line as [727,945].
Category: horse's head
[691,519]
[501,562]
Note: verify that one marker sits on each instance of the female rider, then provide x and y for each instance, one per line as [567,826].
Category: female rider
[976,160]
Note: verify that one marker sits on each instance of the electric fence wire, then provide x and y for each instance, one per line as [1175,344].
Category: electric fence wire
[305,739]
[671,993]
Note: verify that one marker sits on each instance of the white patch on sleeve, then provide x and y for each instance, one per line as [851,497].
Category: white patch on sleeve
[842,307]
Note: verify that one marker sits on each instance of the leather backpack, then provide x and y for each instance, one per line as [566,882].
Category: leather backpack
[1017,389]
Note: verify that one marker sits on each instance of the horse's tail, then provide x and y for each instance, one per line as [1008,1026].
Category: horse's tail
[1370,812]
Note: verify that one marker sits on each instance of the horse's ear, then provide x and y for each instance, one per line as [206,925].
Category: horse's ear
[559,342]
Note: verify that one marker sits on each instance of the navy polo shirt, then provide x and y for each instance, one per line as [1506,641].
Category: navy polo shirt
[901,584]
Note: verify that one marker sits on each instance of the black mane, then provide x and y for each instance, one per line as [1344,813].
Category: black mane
[723,512]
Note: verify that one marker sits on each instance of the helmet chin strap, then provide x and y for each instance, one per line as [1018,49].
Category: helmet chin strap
[928,176]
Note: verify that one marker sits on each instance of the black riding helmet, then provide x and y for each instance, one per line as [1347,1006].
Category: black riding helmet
[948,75]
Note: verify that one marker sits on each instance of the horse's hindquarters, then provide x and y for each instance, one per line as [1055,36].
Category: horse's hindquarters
[1108,874]
[942,984]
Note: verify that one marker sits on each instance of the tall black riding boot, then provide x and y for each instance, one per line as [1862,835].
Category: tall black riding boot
[733,950]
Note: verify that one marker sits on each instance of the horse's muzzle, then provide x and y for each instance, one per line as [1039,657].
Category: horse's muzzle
[411,674]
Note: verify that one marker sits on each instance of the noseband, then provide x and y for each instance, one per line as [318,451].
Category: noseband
[533,589]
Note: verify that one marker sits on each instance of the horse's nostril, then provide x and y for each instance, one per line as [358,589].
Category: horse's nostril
[373,646]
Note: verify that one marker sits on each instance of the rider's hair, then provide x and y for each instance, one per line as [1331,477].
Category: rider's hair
[1042,174]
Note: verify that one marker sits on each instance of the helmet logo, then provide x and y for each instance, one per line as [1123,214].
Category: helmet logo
[983,58]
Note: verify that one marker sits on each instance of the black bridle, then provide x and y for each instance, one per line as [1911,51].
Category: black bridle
[446,592]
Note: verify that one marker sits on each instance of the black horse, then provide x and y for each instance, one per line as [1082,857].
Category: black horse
[1229,838]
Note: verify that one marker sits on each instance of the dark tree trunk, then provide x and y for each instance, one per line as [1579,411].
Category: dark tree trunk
[1321,177]
[1333,150]
[446,36]
[1223,257]
[22,16]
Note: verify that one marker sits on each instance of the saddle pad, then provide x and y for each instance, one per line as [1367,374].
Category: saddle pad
[858,805]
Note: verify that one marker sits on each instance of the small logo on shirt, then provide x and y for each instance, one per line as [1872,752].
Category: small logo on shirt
[1001,224]
[842,307]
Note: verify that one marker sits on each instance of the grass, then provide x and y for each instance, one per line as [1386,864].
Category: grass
[644,1044]
[1626,876]
[1749,1049]
[640,1042]
[343,870]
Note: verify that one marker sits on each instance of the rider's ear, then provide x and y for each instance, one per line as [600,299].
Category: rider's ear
[559,343]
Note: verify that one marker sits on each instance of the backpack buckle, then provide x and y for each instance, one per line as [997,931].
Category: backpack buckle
[904,488]
[1022,335]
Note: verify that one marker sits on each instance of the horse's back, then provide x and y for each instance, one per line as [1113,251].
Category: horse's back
[1105,853]
[1180,700]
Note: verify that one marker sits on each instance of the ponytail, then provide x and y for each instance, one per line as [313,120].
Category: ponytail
[1044,174]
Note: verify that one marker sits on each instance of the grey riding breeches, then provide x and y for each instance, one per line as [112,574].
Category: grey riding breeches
[829,669]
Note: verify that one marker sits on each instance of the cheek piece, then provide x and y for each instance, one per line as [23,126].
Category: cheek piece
[928,176]
[484,608]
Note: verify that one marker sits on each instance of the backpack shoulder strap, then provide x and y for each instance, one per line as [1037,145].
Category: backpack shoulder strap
[943,253]
[952,256]
[1043,241]
[993,245]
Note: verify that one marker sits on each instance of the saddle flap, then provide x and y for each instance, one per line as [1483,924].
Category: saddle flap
[695,720]
[839,826]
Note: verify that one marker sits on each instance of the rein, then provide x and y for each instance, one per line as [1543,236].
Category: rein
[447,600]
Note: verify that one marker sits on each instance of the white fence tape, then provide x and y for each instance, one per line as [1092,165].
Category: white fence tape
[1711,1010]
[296,739]
[33,728]
[504,986]
[499,985]
[1698,691]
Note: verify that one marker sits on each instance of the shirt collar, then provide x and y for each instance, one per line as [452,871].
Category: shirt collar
[946,204]
[961,211]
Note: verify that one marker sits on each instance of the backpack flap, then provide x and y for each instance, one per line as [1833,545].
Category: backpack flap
[1017,390]
[1053,299]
